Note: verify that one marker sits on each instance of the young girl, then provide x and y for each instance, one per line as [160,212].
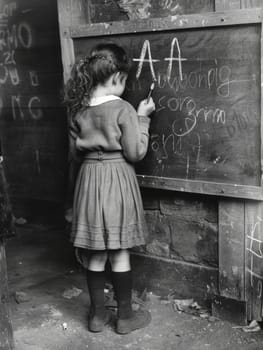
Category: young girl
[108,217]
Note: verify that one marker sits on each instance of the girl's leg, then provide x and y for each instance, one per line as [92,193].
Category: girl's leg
[98,315]
[128,320]
[120,260]
[97,260]
[122,281]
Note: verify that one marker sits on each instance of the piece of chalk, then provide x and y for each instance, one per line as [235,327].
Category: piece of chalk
[150,92]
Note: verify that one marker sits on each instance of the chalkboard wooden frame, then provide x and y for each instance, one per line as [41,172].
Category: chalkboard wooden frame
[219,19]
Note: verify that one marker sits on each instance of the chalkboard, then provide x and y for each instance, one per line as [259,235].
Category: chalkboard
[206,131]
[32,120]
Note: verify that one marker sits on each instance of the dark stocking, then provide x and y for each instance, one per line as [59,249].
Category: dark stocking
[122,284]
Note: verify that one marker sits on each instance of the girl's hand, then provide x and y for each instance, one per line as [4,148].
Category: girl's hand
[145,109]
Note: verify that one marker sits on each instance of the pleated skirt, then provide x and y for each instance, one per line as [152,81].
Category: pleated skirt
[107,211]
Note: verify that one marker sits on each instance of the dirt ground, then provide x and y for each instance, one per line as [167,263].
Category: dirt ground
[49,304]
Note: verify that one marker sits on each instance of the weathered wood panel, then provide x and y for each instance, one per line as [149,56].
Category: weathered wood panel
[231,249]
[252,228]
[254,259]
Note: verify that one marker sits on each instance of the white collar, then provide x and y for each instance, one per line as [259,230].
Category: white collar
[95,101]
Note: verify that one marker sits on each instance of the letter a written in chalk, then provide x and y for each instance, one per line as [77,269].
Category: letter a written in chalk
[146,47]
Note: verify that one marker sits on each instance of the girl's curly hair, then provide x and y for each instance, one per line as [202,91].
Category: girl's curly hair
[105,59]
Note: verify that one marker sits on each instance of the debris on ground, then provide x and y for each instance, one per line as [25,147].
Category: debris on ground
[21,297]
[72,293]
[182,304]
[188,306]
[253,326]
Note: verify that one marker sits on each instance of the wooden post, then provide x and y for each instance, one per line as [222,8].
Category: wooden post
[6,333]
[231,238]
[254,259]
[67,50]
[231,249]
[245,281]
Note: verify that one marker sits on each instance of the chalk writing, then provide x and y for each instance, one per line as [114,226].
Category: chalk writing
[13,37]
[7,10]
[16,107]
[239,122]
[172,58]
[34,78]
[192,96]
[255,249]
[218,76]
[193,113]
[141,60]
[171,5]
[36,113]
[147,47]
[135,8]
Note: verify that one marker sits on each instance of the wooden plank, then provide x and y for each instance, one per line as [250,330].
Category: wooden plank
[253,214]
[219,189]
[253,217]
[164,24]
[67,50]
[231,245]
[6,333]
[80,11]
[231,242]
[254,259]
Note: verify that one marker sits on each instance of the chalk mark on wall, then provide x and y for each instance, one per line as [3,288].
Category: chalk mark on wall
[255,253]
[12,38]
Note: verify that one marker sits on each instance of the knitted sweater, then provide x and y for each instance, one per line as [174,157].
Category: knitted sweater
[111,124]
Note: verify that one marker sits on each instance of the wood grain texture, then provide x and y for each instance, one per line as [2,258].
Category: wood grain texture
[254,258]
[231,249]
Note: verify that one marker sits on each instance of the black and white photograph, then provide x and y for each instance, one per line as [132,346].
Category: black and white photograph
[131,174]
